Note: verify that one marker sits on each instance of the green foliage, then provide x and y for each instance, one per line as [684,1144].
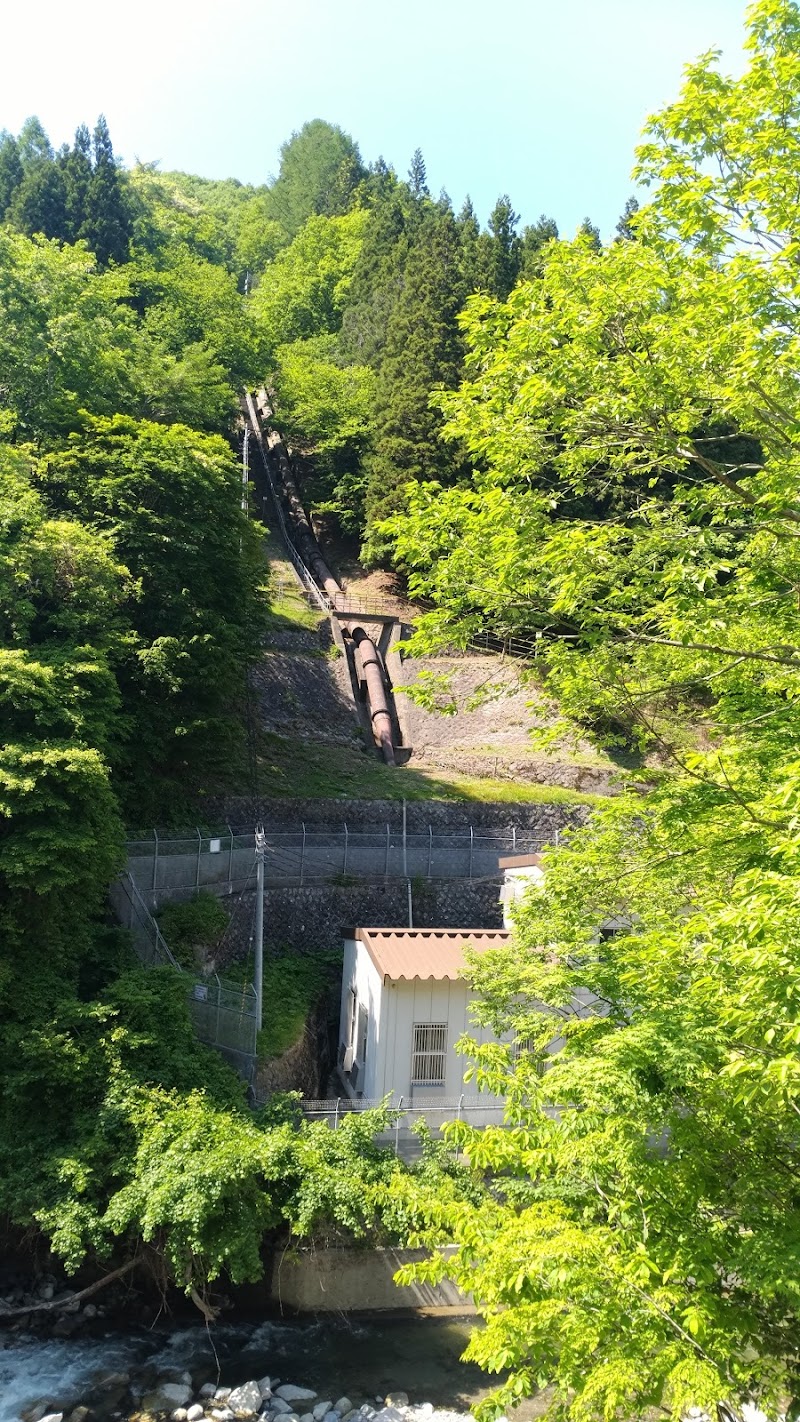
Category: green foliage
[76,194]
[293,987]
[422,350]
[320,171]
[192,928]
[632,415]
[302,293]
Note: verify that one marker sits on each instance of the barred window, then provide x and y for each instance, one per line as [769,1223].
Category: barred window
[428,1056]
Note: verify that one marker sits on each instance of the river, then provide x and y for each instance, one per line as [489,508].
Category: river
[362,1358]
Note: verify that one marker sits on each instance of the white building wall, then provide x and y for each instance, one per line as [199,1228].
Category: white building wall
[359,972]
[516,883]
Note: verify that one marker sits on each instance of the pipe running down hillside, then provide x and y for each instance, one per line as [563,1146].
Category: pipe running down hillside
[377,692]
[302,533]
[302,542]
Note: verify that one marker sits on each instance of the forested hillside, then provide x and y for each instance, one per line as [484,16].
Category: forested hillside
[593,448]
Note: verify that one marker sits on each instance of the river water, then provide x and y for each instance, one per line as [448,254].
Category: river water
[362,1358]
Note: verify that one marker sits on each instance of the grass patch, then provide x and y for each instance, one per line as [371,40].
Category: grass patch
[288,769]
[293,986]
[288,608]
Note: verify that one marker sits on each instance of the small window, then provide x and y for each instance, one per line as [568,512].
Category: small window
[361,1043]
[428,1057]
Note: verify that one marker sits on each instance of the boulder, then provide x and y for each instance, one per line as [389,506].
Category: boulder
[195,1412]
[221,1394]
[53,1417]
[290,1393]
[343,1406]
[166,1397]
[279,1405]
[396,1399]
[321,1408]
[222,1414]
[179,1415]
[207,1390]
[245,1401]
[266,1387]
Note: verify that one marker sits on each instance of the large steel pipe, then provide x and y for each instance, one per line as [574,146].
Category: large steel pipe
[302,532]
[374,678]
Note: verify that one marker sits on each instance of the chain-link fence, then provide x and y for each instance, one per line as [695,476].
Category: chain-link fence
[225,862]
[222,1017]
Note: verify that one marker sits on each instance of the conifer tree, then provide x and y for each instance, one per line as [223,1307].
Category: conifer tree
[417,176]
[626,231]
[107,226]
[534,239]
[422,350]
[588,229]
[39,203]
[33,142]
[499,250]
[320,171]
[378,274]
[468,229]
[11,172]
[77,170]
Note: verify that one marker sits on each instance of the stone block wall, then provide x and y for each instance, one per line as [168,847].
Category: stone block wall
[315,920]
[444,816]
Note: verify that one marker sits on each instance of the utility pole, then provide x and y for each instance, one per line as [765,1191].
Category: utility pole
[261,845]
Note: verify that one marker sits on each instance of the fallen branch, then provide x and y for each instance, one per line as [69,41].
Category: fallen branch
[55,1305]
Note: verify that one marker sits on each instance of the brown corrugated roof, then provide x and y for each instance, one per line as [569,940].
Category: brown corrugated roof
[519,861]
[425,952]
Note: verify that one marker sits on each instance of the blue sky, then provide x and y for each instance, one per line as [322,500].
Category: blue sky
[543,99]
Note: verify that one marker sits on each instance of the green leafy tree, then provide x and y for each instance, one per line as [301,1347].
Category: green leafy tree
[171,498]
[303,291]
[635,1253]
[320,172]
[325,408]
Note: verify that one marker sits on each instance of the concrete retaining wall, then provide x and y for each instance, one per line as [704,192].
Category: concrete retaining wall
[356,1281]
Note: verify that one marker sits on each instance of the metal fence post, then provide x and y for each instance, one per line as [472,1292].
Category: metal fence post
[513,839]
[336,1115]
[460,1104]
[230,862]
[405,842]
[155,862]
[199,847]
[219,1005]
[430,848]
[386,865]
[302,854]
[557,834]
[397,1127]
[471,844]
[344,860]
